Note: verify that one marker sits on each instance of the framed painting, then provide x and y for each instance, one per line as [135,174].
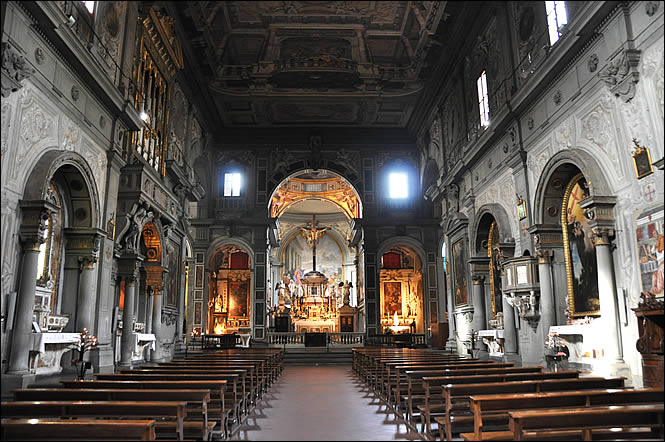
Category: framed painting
[641,161]
[459,273]
[579,252]
[649,229]
[495,256]
[199,277]
[198,309]
[238,294]
[392,298]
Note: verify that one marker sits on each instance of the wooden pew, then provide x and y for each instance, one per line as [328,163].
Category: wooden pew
[456,397]
[247,394]
[37,409]
[466,371]
[216,387]
[495,408]
[588,423]
[80,429]
[433,387]
[236,380]
[408,377]
[196,400]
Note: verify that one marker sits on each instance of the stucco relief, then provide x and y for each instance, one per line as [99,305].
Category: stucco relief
[564,135]
[536,163]
[70,135]
[597,128]
[37,126]
[6,120]
[97,162]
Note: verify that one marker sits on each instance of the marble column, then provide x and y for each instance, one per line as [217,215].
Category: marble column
[607,294]
[509,332]
[451,344]
[547,304]
[86,294]
[35,215]
[479,318]
[156,322]
[128,269]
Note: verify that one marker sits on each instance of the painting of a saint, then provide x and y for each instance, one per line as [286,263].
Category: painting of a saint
[581,267]
[238,293]
[392,298]
[650,249]
[197,312]
[173,275]
[459,271]
[496,258]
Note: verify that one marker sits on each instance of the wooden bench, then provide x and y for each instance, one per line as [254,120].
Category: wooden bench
[170,410]
[216,405]
[434,405]
[196,400]
[589,423]
[80,429]
[494,410]
[235,380]
[457,401]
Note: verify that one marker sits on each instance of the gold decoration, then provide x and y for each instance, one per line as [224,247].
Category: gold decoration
[641,160]
[335,191]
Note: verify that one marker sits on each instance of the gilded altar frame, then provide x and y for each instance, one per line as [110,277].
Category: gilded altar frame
[573,311]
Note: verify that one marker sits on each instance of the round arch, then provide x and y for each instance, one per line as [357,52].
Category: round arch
[238,242]
[294,173]
[497,212]
[580,160]
[78,177]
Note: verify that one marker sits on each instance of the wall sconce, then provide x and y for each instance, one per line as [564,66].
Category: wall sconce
[71,20]
[521,208]
[641,160]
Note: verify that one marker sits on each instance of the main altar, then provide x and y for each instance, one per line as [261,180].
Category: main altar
[317,303]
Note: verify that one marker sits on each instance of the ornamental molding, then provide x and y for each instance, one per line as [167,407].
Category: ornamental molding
[15,69]
[621,74]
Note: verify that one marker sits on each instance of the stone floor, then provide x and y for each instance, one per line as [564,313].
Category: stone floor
[325,402]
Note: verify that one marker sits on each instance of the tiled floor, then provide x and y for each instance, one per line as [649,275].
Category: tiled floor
[325,402]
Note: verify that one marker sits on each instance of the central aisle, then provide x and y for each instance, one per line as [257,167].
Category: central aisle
[325,402]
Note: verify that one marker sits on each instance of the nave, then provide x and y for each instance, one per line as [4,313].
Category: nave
[387,394]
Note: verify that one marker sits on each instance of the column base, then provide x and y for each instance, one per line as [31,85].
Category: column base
[451,345]
[102,359]
[621,369]
[11,382]
[513,357]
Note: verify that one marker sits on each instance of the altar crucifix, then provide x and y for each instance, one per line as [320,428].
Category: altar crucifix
[312,235]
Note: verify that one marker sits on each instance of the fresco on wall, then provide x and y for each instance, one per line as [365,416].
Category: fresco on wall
[580,252]
[459,271]
[392,298]
[649,229]
[297,260]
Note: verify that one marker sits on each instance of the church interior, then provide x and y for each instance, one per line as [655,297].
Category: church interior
[211,209]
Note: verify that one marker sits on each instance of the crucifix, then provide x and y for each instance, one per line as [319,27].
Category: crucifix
[312,235]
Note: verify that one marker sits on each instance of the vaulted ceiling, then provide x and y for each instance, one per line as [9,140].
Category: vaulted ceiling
[314,63]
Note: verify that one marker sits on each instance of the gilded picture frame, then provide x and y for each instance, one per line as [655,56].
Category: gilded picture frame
[579,252]
[642,161]
[459,273]
[521,209]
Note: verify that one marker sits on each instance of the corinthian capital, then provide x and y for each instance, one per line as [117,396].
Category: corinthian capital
[602,236]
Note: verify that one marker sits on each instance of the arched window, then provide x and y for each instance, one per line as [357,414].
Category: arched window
[444,255]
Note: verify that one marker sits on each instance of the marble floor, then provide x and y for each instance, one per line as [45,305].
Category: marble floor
[324,402]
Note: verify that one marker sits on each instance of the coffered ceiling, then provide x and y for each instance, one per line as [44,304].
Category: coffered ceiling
[313,63]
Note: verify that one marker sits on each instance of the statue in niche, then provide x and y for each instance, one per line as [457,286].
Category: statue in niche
[453,197]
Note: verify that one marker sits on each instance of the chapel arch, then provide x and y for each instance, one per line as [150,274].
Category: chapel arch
[402,280]
[229,288]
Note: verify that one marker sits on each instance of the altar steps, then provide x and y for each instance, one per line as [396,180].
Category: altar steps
[317,356]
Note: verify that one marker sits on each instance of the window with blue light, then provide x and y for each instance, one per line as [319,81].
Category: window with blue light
[483,100]
[398,185]
[556,19]
[232,184]
[444,255]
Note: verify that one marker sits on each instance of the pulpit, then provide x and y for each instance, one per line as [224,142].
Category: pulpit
[650,342]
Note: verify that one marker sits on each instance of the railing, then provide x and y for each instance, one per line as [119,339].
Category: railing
[332,339]
[322,62]
[397,340]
